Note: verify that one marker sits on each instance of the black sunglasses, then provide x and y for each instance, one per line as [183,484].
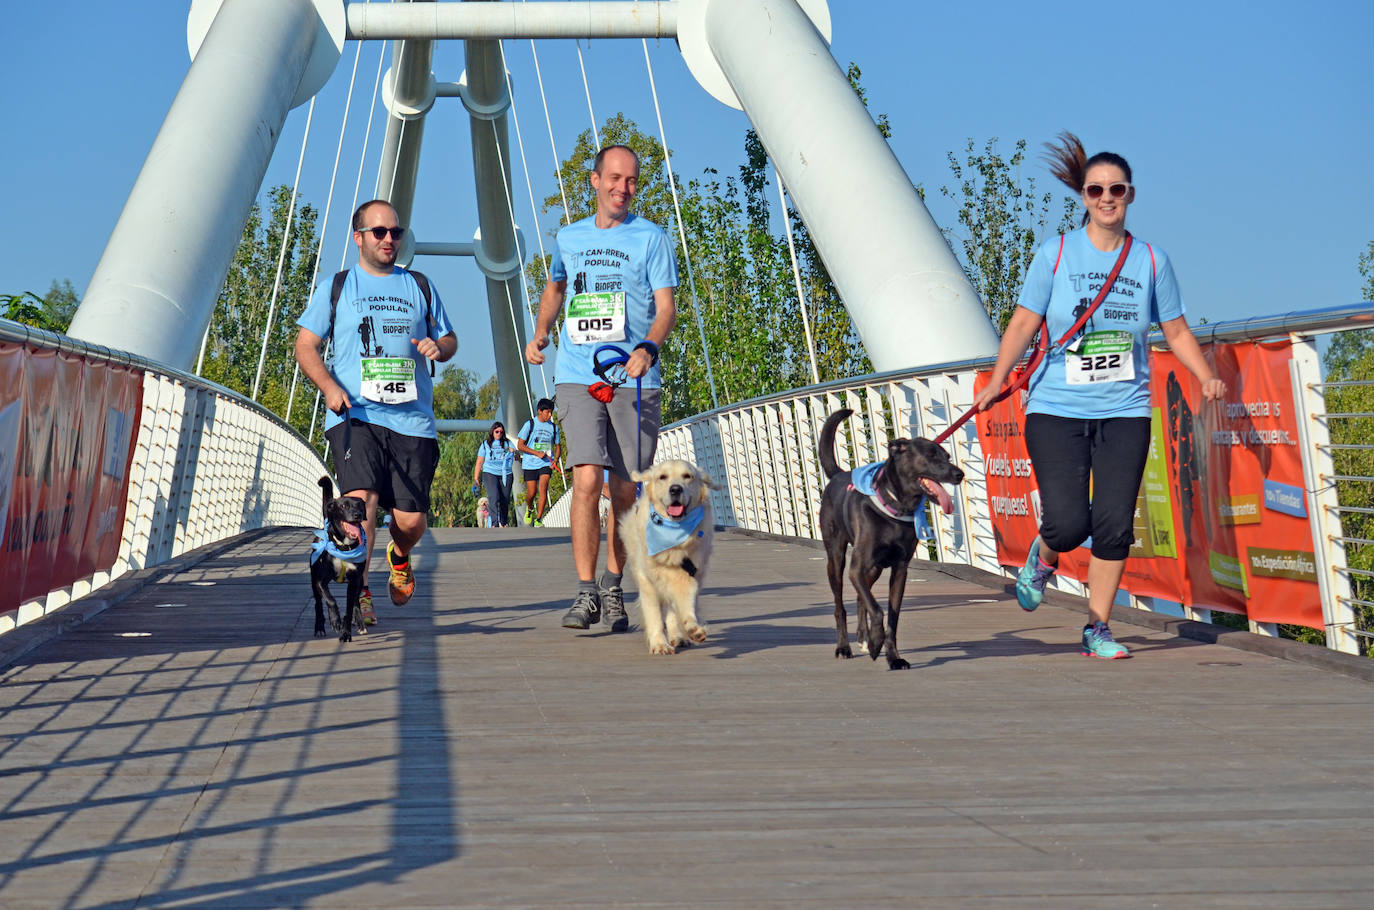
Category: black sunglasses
[380,232]
[1095,190]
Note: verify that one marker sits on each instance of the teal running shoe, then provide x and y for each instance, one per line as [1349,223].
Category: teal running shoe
[1030,582]
[1098,642]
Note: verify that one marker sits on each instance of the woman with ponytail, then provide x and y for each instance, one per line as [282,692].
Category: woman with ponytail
[1088,414]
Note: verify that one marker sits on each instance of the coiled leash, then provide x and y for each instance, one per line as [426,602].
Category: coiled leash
[611,370]
[1023,375]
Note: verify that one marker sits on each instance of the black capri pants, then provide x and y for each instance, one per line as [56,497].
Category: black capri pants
[1066,452]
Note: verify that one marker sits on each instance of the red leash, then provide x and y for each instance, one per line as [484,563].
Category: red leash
[1023,376]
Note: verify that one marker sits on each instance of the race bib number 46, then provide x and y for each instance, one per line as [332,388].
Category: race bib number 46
[1100,357]
[596,318]
[388,380]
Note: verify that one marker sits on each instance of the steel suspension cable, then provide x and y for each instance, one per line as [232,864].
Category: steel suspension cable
[796,276]
[510,301]
[281,258]
[328,203]
[510,206]
[348,235]
[681,231]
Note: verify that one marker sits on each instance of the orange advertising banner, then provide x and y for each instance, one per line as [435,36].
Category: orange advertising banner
[1221,518]
[67,428]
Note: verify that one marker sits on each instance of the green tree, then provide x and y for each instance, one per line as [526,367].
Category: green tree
[61,301]
[1350,359]
[745,296]
[236,328]
[52,312]
[1001,220]
[458,397]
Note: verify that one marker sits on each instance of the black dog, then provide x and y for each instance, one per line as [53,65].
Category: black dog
[880,528]
[338,554]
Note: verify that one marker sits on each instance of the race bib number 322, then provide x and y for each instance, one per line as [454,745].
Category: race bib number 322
[596,318]
[1100,357]
[388,380]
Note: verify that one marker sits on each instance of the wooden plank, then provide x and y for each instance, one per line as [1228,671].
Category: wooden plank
[471,752]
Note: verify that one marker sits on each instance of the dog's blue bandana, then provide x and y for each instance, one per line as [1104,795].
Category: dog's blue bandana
[323,545]
[865,479]
[662,533]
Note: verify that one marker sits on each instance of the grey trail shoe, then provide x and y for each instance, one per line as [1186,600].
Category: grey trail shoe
[585,611]
[613,603]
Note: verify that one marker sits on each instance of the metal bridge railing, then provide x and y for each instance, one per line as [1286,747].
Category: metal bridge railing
[207,465]
[763,452]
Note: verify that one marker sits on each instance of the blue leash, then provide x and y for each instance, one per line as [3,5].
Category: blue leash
[613,377]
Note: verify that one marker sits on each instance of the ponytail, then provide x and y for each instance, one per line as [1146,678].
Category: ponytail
[1069,162]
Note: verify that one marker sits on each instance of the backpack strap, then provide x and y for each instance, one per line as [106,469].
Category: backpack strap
[335,290]
[423,282]
[1055,270]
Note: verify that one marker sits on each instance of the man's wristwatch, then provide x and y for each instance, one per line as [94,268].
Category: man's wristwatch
[651,348]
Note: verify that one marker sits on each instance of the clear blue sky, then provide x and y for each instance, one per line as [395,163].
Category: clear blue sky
[1250,128]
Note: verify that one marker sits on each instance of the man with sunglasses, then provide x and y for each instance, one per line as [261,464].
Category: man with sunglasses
[385,325]
[612,278]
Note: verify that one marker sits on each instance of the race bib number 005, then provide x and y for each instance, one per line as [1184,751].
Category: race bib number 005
[596,318]
[1100,357]
[389,380]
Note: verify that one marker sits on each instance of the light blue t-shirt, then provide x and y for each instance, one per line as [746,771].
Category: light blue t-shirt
[540,435]
[1145,292]
[633,258]
[383,314]
[500,459]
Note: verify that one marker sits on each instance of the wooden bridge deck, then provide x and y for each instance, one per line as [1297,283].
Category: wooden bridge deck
[194,746]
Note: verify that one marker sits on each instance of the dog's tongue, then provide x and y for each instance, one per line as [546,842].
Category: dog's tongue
[677,510]
[938,491]
[353,531]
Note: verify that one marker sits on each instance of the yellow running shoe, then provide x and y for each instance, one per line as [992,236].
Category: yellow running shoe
[365,608]
[401,584]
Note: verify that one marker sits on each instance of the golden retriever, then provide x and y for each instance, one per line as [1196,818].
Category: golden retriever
[667,537]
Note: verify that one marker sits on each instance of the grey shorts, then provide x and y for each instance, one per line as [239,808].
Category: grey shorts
[604,434]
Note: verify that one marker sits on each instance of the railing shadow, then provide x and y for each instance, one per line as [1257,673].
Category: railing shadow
[259,740]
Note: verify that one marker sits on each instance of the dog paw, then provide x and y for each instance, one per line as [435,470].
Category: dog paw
[346,635]
[696,634]
[843,651]
[875,643]
[896,663]
[661,647]
[320,632]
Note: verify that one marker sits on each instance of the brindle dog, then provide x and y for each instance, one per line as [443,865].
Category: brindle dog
[883,534]
[343,521]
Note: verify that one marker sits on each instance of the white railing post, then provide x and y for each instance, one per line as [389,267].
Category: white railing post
[1323,512]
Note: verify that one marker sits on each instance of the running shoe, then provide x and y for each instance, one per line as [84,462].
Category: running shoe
[401,583]
[613,606]
[365,608]
[1030,583]
[585,611]
[1098,642]
[538,524]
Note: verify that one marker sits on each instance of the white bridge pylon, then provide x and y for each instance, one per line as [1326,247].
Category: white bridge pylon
[254,60]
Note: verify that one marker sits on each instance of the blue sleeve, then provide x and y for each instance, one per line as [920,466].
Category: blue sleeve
[315,317]
[662,263]
[1166,302]
[558,271]
[441,325]
[1035,293]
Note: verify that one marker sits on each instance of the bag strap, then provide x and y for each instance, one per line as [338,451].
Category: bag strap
[1042,347]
